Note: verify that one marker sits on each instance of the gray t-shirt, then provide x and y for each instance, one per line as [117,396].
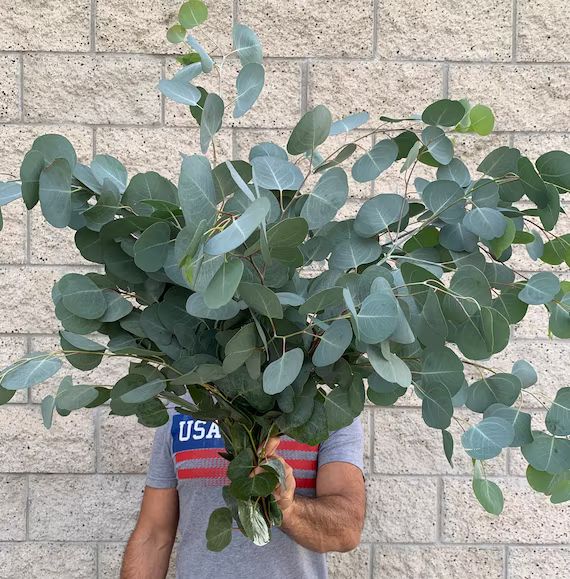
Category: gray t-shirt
[185,456]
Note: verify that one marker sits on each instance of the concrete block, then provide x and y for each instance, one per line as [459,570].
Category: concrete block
[437,562]
[47,561]
[527,518]
[401,510]
[523,97]
[157,149]
[279,105]
[27,446]
[94,88]
[542,33]
[334,31]
[439,32]
[379,87]
[45,25]
[124,444]
[349,565]
[10,83]
[141,26]
[13,504]
[538,562]
[83,507]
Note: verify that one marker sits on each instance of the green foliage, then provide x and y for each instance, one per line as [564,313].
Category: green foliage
[241,296]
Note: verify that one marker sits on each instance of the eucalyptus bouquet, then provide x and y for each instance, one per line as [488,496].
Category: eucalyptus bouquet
[240,299]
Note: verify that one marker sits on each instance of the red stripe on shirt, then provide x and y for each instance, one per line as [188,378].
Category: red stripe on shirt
[294,445]
[202,472]
[198,453]
[301,464]
[306,483]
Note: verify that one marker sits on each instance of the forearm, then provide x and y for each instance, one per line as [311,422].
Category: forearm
[322,524]
[147,556]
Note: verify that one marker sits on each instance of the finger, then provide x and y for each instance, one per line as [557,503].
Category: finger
[271,446]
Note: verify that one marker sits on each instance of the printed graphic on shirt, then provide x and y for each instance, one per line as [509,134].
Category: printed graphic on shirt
[196,445]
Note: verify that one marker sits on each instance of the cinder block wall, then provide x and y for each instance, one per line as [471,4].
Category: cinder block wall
[88,69]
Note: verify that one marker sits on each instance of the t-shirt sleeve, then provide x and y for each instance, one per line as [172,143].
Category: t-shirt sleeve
[344,445]
[161,473]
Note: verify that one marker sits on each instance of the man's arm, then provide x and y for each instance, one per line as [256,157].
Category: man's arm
[333,520]
[148,551]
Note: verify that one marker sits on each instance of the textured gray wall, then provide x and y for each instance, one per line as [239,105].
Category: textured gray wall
[87,69]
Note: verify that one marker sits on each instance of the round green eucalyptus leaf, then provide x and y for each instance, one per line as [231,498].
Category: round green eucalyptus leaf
[144,392]
[81,296]
[328,196]
[179,91]
[196,307]
[224,284]
[53,147]
[261,299]
[519,420]
[268,149]
[556,250]
[374,162]
[283,371]
[75,397]
[30,170]
[445,113]
[486,222]
[379,212]
[145,186]
[9,192]
[385,398]
[483,334]
[437,407]
[353,252]
[441,365]
[525,373]
[151,248]
[554,167]
[445,199]
[321,300]
[487,439]
[438,145]
[120,264]
[499,162]
[456,171]
[176,34]
[548,453]
[541,288]
[73,323]
[311,131]
[107,168]
[489,496]
[211,122]
[289,232]
[117,307]
[343,154]
[240,230]
[32,369]
[89,245]
[498,388]
[484,193]
[240,347]
[349,123]
[343,404]
[276,174]
[378,317]
[333,343]
[220,529]
[192,13]
[246,44]
[389,366]
[249,85]
[559,321]
[55,193]
[558,415]
[482,120]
